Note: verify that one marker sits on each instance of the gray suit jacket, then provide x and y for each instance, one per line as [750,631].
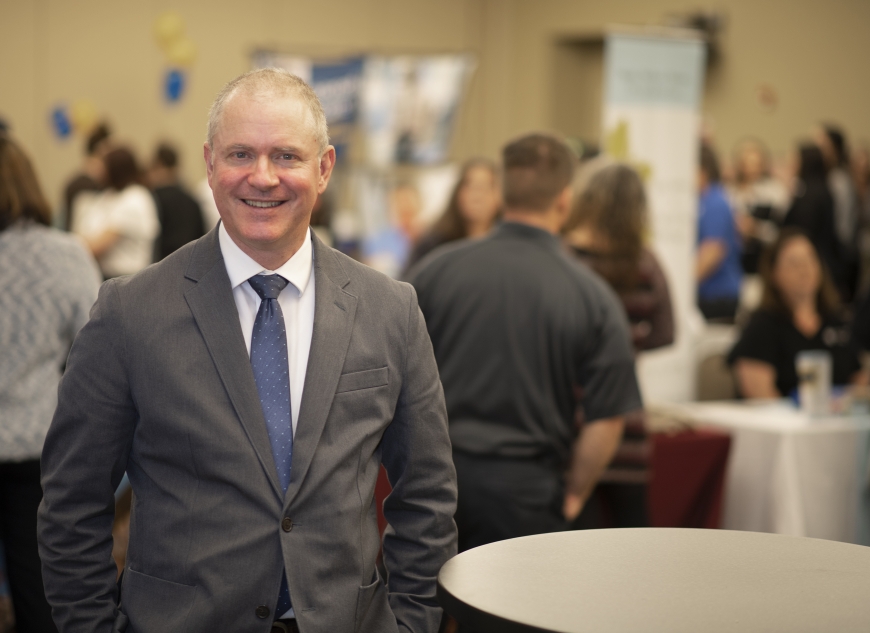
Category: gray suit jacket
[159,384]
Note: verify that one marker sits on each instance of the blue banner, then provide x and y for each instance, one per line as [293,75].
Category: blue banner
[337,86]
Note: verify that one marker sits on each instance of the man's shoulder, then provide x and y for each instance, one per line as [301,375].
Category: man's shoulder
[446,256]
[564,268]
[447,251]
[363,281]
[161,276]
[575,282]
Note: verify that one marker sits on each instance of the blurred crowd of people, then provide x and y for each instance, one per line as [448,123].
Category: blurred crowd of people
[822,189]
[128,216]
[785,250]
[488,268]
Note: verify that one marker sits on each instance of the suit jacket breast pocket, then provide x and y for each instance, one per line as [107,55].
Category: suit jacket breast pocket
[154,604]
[366,379]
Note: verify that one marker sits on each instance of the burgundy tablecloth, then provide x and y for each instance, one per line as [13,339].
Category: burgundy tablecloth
[687,478]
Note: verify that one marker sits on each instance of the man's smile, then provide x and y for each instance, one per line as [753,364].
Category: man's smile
[263,204]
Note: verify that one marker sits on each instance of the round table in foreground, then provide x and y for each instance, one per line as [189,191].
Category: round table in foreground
[659,580]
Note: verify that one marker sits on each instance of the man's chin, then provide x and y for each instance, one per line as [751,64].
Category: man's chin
[278,242]
[266,241]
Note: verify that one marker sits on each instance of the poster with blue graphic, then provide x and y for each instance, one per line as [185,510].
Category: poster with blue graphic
[398,114]
[337,85]
[410,105]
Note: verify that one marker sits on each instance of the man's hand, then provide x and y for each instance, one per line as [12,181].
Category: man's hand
[593,450]
[572,506]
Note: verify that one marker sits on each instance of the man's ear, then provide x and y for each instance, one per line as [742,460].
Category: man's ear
[327,162]
[563,205]
[209,166]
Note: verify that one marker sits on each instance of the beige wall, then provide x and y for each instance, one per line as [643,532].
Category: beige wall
[813,53]
[104,50]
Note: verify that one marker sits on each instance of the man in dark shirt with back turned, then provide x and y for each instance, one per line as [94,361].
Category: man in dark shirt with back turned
[525,338]
[180,215]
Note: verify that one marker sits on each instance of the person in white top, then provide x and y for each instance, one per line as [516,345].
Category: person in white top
[120,224]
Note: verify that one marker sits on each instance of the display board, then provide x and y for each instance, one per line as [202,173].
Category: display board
[392,121]
[651,119]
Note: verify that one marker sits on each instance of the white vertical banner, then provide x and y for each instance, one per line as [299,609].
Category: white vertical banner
[652,94]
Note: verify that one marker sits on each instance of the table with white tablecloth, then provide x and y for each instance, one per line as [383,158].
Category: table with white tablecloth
[789,473]
[658,580]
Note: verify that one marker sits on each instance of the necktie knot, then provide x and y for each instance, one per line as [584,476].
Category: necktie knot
[268,286]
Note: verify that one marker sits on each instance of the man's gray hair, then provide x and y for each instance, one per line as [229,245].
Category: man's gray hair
[271,82]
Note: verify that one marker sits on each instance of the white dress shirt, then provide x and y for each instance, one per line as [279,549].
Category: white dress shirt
[296,301]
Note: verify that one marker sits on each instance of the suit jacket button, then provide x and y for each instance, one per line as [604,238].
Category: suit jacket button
[262,612]
[286,524]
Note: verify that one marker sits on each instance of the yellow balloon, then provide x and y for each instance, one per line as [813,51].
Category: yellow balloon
[168,28]
[84,116]
[181,52]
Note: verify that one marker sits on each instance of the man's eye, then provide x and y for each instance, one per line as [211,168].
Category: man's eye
[239,154]
[288,156]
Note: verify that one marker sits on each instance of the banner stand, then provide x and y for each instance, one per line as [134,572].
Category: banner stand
[651,119]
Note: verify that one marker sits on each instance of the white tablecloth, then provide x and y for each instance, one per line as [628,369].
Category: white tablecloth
[789,473]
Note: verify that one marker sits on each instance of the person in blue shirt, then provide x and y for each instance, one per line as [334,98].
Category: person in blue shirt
[717,262]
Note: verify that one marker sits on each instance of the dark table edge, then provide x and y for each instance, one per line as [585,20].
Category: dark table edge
[484,622]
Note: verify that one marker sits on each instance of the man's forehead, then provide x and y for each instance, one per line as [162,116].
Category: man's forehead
[286,109]
[268,103]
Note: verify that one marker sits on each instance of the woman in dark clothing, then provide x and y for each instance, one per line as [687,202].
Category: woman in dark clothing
[812,209]
[473,209]
[799,311]
[606,231]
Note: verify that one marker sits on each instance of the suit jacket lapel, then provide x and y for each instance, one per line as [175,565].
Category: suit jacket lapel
[214,309]
[334,310]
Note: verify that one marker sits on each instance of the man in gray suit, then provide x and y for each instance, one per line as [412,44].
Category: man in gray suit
[251,384]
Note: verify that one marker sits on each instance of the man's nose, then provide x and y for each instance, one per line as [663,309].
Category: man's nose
[263,175]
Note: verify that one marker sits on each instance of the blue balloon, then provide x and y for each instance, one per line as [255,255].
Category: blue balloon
[174,85]
[60,122]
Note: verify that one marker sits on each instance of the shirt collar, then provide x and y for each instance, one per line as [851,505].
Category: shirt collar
[240,266]
[508,228]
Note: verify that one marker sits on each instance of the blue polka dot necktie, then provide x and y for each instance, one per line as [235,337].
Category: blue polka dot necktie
[272,375]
